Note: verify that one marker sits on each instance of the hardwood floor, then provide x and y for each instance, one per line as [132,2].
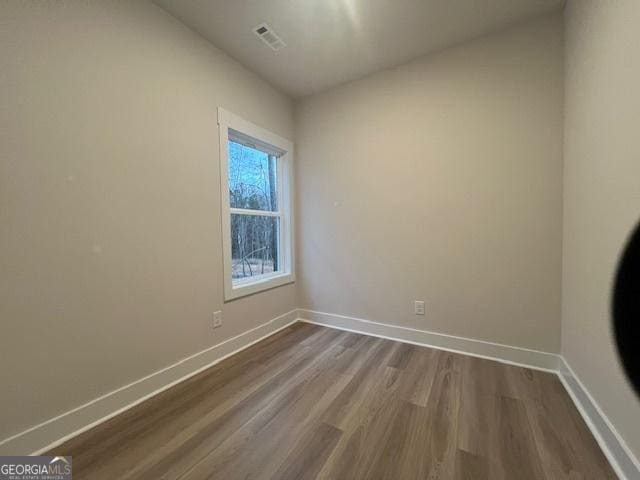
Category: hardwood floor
[316,403]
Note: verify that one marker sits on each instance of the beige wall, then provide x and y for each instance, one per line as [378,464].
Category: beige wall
[602,192]
[440,180]
[110,245]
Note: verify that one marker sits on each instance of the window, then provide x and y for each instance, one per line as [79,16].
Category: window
[255,173]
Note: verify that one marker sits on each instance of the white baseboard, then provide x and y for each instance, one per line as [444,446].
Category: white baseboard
[56,431]
[613,446]
[622,460]
[53,432]
[468,346]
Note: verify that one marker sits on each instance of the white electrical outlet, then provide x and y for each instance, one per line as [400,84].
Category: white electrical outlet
[217,319]
[418,307]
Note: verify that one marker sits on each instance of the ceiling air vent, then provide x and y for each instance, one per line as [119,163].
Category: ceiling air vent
[268,36]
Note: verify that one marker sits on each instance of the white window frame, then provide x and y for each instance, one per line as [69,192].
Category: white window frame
[246,131]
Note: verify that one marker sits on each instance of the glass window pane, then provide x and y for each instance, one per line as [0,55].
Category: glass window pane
[252,178]
[254,246]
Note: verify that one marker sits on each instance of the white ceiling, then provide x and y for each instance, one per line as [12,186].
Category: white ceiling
[334,41]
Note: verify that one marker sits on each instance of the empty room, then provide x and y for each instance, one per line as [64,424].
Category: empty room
[320,239]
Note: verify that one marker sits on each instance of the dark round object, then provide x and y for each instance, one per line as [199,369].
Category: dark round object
[626,309]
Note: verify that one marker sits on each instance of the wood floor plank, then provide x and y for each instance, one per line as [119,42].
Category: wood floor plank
[470,467]
[567,448]
[442,416]
[356,356]
[177,409]
[366,432]
[516,453]
[402,355]
[309,455]
[421,373]
[352,402]
[316,403]
[198,440]
[477,409]
[269,435]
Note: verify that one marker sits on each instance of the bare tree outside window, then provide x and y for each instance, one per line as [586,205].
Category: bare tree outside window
[253,187]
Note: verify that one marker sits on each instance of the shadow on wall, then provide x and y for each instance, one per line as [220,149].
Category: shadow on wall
[626,309]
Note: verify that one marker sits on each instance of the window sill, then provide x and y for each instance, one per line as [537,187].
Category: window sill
[250,287]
